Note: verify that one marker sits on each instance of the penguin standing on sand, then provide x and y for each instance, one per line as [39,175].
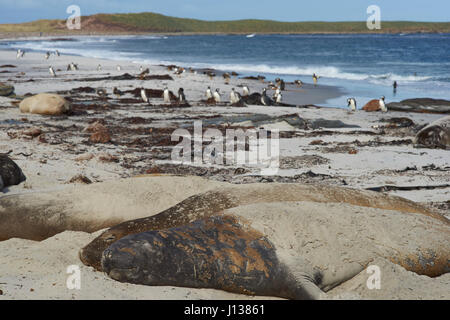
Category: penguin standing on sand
[144,95]
[383,104]
[235,97]
[276,94]
[264,98]
[209,94]
[351,103]
[166,95]
[117,92]
[57,53]
[245,91]
[52,71]
[119,68]
[181,96]
[47,55]
[279,98]
[216,96]
[19,54]
[99,67]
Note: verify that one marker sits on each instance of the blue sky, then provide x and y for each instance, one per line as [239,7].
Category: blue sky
[15,11]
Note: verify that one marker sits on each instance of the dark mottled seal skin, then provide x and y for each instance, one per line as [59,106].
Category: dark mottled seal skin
[435,135]
[213,202]
[217,252]
[10,172]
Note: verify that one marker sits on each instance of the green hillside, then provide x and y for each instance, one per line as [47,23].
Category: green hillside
[157,23]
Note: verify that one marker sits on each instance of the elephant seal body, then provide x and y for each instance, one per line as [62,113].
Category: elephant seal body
[435,135]
[297,250]
[45,104]
[89,208]
[215,201]
[216,252]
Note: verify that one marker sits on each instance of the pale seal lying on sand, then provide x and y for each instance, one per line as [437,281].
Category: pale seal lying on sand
[45,104]
[435,135]
[40,215]
[296,250]
[215,201]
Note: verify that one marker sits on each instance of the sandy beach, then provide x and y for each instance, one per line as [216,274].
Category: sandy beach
[371,151]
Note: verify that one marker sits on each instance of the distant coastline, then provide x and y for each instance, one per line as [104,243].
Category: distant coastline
[152,23]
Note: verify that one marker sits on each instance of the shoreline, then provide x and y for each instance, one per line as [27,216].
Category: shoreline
[25,35]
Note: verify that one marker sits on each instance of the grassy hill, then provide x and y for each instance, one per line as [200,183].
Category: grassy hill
[156,23]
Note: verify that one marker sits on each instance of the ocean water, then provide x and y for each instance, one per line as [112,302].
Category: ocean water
[363,66]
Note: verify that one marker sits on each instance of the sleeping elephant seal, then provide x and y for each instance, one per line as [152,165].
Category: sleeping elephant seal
[435,135]
[212,202]
[216,252]
[40,215]
[294,250]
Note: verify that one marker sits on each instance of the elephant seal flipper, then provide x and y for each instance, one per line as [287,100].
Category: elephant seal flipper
[217,252]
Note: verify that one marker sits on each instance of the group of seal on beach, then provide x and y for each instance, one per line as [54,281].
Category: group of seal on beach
[285,240]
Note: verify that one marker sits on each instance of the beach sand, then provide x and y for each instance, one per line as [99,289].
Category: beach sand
[371,154]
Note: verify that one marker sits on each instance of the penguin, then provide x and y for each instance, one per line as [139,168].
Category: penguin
[279,98]
[117,92]
[144,95]
[99,67]
[264,98]
[141,68]
[276,94]
[352,104]
[57,53]
[226,77]
[52,71]
[395,87]
[101,92]
[73,66]
[299,83]
[383,104]
[216,96]
[181,96]
[179,71]
[245,91]
[209,94]
[22,54]
[119,68]
[235,97]
[211,75]
[166,95]
[47,55]
[19,54]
